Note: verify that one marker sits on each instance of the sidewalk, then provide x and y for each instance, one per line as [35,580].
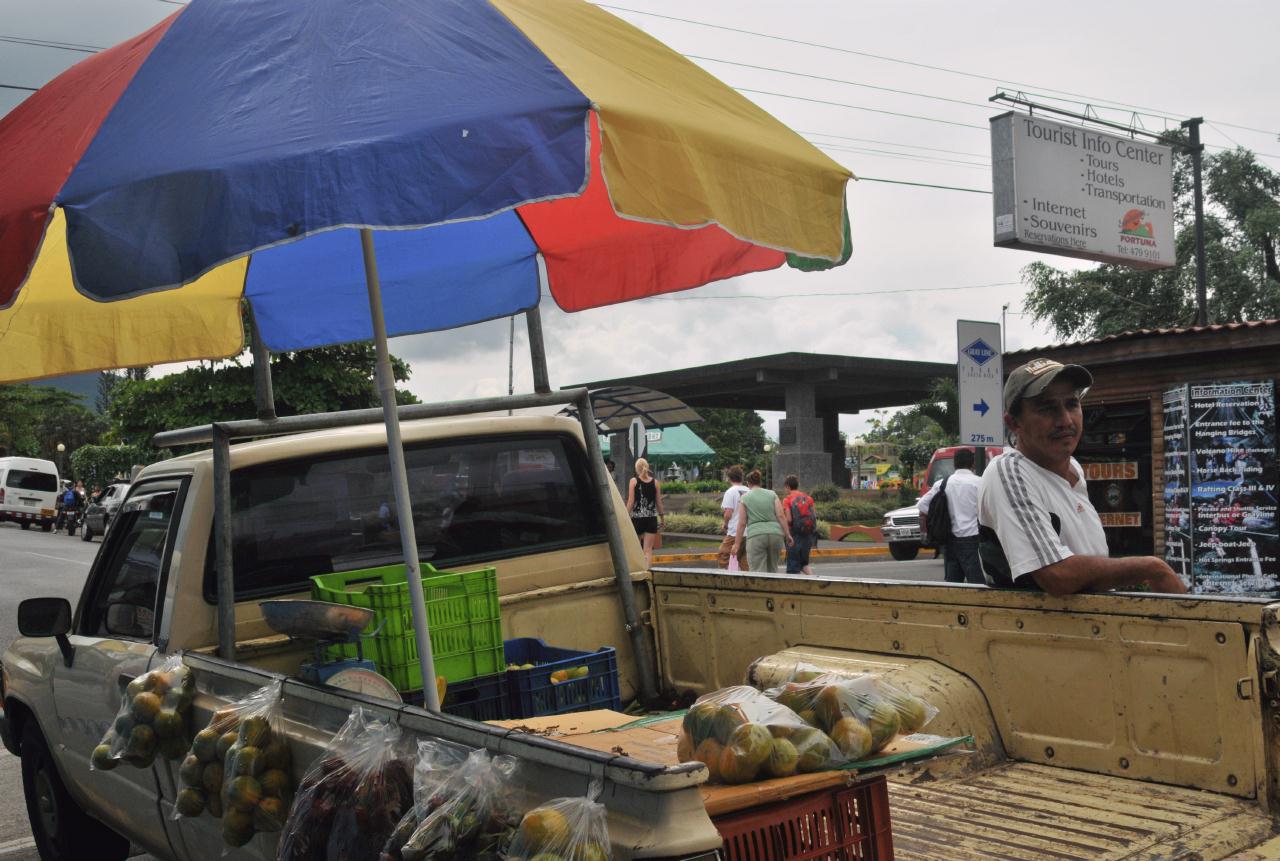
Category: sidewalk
[826,550]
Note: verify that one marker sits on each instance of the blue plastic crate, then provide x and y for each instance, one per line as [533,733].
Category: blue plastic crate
[532,692]
[483,698]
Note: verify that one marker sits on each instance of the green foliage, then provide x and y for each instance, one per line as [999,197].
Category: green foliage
[854,510]
[825,493]
[702,485]
[1242,226]
[34,419]
[99,465]
[704,524]
[308,381]
[737,436]
[703,505]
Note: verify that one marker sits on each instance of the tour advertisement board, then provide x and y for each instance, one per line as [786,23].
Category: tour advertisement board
[1177,499]
[1070,190]
[1231,473]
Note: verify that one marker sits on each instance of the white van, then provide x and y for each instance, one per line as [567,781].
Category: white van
[28,491]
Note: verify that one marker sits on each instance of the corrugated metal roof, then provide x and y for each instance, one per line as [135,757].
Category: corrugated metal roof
[1151,333]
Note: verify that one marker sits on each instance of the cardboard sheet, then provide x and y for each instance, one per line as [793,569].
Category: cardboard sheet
[654,739]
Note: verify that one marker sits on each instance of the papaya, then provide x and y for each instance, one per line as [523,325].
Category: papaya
[913,713]
[814,750]
[784,759]
[224,744]
[852,737]
[270,815]
[243,793]
[205,744]
[727,719]
[190,802]
[255,731]
[167,723]
[751,743]
[144,707]
[544,826]
[697,722]
[735,767]
[237,827]
[684,749]
[884,724]
[708,753]
[102,759]
[191,771]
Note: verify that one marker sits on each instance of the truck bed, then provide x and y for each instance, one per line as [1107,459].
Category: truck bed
[1034,812]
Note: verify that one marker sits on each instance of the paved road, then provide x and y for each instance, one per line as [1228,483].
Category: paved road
[33,564]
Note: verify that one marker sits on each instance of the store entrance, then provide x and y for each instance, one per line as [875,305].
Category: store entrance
[1116,455]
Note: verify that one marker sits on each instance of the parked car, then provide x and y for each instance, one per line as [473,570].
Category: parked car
[901,527]
[102,509]
[28,491]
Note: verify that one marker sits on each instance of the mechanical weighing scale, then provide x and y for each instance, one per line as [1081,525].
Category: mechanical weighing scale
[330,624]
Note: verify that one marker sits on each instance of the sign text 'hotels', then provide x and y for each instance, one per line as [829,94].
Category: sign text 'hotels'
[1064,189]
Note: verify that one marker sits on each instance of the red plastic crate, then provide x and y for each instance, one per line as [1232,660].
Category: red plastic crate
[841,824]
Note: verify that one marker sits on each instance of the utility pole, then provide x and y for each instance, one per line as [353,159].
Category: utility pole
[1004,309]
[1197,150]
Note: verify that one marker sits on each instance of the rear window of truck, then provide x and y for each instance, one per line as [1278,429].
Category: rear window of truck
[23,479]
[473,501]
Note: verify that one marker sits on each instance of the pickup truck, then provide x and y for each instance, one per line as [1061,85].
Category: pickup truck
[1105,726]
[901,527]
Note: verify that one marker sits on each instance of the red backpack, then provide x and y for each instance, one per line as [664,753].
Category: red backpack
[803,520]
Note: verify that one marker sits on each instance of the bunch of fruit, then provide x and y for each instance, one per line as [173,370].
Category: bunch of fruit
[238,770]
[862,715]
[569,674]
[566,829]
[741,736]
[345,815]
[469,816]
[154,719]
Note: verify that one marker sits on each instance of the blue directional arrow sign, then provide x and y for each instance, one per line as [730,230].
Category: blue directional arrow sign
[980,377]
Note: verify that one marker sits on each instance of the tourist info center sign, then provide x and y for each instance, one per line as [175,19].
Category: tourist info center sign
[1064,189]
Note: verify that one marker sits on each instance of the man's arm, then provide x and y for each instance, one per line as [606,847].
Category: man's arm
[728,515]
[1100,573]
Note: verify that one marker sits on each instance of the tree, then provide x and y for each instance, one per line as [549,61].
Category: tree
[308,381]
[99,465]
[34,419]
[737,436]
[1242,224]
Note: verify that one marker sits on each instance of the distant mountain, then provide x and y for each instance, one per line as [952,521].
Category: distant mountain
[83,385]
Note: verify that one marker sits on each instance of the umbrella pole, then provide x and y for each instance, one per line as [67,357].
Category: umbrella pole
[399,475]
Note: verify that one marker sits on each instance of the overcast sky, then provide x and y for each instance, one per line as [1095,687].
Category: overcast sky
[922,257]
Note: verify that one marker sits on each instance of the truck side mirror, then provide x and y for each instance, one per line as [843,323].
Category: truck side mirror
[47,617]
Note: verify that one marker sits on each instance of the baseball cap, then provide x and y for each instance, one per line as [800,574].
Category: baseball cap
[1035,376]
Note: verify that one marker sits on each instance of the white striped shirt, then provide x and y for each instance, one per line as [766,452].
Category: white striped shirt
[1016,499]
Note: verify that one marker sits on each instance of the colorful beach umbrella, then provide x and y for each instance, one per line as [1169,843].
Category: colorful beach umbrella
[475,152]
[501,149]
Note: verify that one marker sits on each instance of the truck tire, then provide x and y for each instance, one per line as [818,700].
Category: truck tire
[45,527]
[904,552]
[25,525]
[63,832]
[86,534]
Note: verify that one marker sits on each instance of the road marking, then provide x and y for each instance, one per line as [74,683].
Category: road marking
[9,847]
[48,556]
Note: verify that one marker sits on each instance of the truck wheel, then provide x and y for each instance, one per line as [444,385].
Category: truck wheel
[86,534]
[25,525]
[904,552]
[63,832]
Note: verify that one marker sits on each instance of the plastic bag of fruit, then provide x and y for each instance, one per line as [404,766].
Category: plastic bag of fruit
[239,768]
[435,763]
[154,719]
[351,797]
[861,714]
[568,828]
[741,735]
[470,815]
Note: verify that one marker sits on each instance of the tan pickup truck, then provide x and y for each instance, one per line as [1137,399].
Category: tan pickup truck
[1105,726]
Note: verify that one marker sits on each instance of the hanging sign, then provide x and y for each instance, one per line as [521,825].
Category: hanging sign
[1070,190]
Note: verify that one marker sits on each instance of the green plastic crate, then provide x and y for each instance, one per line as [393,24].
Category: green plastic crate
[462,613]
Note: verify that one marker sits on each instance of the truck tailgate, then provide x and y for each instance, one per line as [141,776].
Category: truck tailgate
[1026,811]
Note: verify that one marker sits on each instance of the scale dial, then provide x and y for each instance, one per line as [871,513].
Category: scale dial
[364,681]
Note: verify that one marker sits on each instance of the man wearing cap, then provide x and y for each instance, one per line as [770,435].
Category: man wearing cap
[1037,526]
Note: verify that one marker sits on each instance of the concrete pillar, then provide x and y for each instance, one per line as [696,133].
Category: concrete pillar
[800,439]
[624,465]
[840,475]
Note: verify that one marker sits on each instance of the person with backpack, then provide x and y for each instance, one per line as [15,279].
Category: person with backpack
[797,507]
[949,516]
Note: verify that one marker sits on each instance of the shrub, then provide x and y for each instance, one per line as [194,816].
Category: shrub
[673,485]
[694,524]
[708,485]
[854,510]
[703,505]
[825,493]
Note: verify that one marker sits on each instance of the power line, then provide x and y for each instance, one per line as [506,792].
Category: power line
[16,87]
[896,143]
[923,185]
[43,43]
[860,108]
[916,157]
[1149,111]
[982,105]
[830,295]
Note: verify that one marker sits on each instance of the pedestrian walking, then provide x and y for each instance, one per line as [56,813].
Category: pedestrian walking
[762,526]
[962,564]
[802,520]
[644,502]
[732,522]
